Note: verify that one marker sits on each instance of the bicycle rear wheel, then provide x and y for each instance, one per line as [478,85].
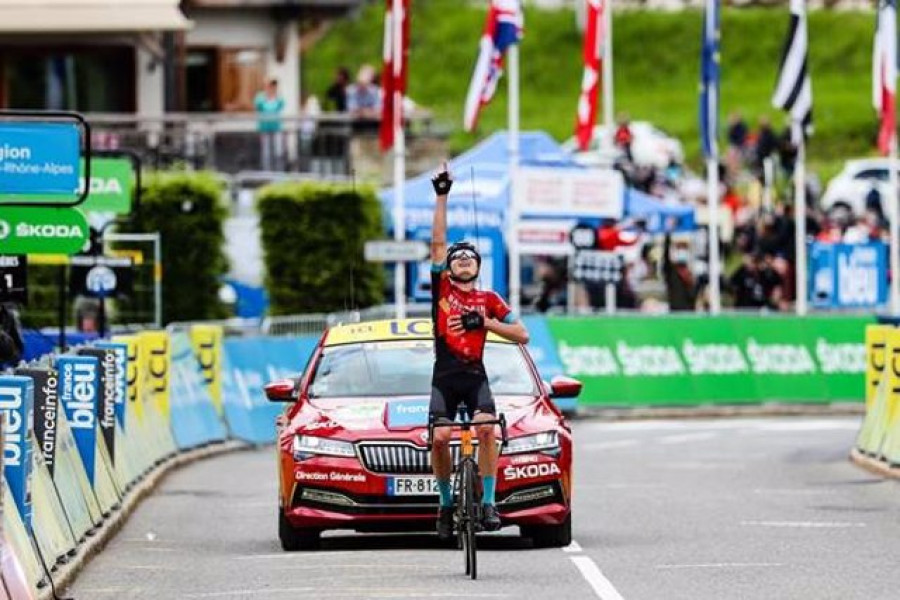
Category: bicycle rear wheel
[470,520]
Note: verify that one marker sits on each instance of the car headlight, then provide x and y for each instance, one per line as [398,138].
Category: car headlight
[308,444]
[546,440]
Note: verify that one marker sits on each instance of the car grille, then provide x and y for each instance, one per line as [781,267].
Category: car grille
[399,459]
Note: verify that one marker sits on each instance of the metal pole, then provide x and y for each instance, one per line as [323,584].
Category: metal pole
[610,298]
[397,18]
[608,105]
[800,219]
[712,176]
[62,308]
[512,237]
[893,213]
[157,280]
[768,181]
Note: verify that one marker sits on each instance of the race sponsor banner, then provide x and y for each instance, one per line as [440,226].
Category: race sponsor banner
[195,420]
[134,376]
[46,411]
[206,341]
[17,407]
[156,358]
[120,377]
[79,393]
[106,394]
[722,360]
[848,275]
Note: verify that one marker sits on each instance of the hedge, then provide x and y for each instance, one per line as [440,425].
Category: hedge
[188,211]
[312,238]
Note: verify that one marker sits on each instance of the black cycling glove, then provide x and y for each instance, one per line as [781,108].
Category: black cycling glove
[472,321]
[442,183]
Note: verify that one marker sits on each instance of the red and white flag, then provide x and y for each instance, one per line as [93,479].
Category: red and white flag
[502,29]
[394,72]
[884,73]
[587,102]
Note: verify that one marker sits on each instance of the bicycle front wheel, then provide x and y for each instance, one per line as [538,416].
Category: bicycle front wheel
[470,520]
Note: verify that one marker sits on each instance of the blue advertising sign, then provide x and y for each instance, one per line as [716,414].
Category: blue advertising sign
[39,158]
[121,377]
[848,275]
[79,389]
[17,407]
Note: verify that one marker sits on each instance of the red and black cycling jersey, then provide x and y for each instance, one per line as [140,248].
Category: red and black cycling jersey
[460,352]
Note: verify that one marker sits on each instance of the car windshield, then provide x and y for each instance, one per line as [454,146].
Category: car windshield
[404,368]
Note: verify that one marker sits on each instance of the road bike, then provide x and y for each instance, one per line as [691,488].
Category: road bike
[466,485]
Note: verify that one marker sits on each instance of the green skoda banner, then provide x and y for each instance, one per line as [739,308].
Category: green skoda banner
[689,360]
[111,186]
[42,230]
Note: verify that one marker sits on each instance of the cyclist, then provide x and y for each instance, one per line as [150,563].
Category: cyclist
[463,315]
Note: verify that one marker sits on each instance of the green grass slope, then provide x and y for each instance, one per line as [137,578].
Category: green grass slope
[656,70]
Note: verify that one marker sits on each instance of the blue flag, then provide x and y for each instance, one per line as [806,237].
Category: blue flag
[709,80]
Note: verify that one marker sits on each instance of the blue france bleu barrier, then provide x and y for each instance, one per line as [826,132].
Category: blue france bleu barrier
[17,406]
[250,363]
[79,378]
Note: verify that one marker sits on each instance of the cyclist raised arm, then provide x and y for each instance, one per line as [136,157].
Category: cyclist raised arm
[462,316]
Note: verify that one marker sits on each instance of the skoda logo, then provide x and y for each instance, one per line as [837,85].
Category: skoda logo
[4,230]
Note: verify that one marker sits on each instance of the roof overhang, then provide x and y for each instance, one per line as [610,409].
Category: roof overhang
[90,16]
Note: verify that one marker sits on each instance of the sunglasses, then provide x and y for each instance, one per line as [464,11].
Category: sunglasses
[463,254]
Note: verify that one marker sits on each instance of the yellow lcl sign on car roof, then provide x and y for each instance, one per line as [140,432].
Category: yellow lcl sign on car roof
[392,329]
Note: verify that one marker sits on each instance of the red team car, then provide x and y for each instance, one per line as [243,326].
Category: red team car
[352,444]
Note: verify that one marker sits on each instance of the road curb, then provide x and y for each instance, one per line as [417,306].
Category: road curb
[873,465]
[66,574]
[698,412]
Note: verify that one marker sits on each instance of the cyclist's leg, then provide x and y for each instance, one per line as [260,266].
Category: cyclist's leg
[487,447]
[442,407]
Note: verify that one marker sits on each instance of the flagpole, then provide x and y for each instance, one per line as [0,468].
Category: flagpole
[397,17]
[800,219]
[512,237]
[608,89]
[893,213]
[715,294]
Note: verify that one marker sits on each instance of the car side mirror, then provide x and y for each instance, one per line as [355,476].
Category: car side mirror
[564,387]
[281,390]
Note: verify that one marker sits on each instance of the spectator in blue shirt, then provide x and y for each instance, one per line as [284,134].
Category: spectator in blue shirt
[269,106]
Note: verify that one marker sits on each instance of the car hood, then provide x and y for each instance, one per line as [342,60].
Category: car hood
[365,416]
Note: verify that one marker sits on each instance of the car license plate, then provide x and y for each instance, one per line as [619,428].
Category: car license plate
[412,486]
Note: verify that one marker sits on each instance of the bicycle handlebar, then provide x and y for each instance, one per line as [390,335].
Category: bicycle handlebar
[501,421]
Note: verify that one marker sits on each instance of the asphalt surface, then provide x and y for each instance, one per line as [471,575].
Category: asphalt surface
[718,509]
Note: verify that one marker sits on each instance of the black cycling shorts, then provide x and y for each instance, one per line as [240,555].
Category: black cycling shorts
[468,389]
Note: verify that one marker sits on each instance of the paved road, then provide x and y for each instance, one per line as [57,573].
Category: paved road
[694,510]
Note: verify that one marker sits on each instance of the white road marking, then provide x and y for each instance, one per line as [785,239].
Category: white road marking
[573,547]
[797,492]
[804,524]
[608,445]
[337,592]
[686,437]
[803,426]
[721,566]
[592,574]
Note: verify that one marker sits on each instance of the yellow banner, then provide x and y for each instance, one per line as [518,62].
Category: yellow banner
[206,341]
[876,337]
[155,357]
[134,405]
[386,330]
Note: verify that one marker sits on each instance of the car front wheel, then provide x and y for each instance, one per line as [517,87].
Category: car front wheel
[295,539]
[550,536]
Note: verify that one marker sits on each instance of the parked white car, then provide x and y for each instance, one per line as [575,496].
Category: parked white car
[651,147]
[847,191]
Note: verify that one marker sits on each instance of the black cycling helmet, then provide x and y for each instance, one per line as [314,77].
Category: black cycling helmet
[458,248]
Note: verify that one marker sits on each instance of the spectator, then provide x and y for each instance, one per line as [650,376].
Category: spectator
[269,105]
[11,345]
[746,284]
[364,97]
[624,137]
[767,144]
[680,285]
[336,95]
[737,132]
[787,152]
